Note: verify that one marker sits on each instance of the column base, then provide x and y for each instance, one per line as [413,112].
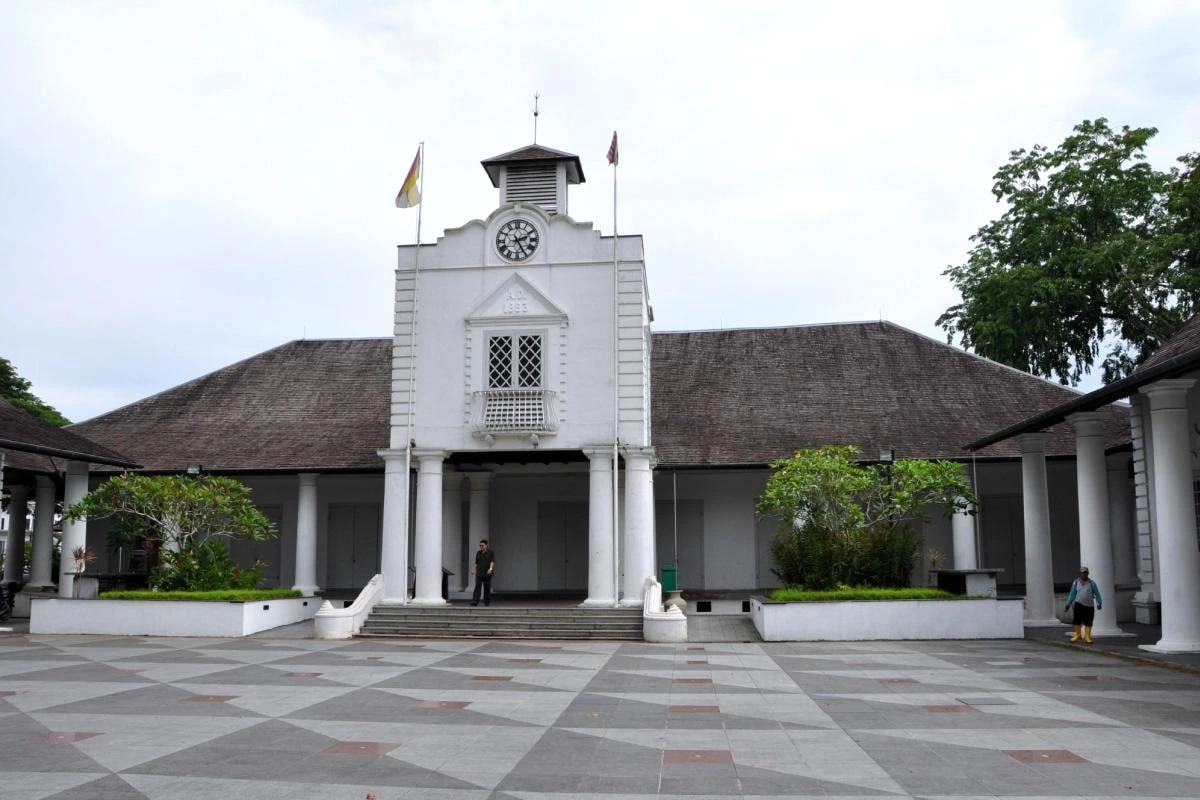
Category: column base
[395,601]
[308,591]
[630,602]
[598,602]
[1164,646]
[1044,623]
[427,601]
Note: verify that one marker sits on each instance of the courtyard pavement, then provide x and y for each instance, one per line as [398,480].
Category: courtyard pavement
[107,718]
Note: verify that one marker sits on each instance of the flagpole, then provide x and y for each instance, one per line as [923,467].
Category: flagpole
[412,368]
[616,391]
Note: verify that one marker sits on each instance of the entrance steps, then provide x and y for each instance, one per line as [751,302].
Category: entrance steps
[504,622]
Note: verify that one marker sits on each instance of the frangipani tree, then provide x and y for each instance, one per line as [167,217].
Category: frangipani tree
[845,522]
[188,519]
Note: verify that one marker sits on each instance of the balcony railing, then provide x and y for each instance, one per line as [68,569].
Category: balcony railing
[500,411]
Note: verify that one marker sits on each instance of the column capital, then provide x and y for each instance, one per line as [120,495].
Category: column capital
[599,451]
[1032,442]
[429,455]
[1088,423]
[1170,393]
[391,454]
[639,458]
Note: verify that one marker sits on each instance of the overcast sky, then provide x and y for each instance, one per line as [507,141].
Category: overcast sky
[183,185]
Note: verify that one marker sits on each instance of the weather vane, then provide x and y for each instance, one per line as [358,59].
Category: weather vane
[536,96]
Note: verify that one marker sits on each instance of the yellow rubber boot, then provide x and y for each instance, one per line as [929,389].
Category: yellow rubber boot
[1075,638]
[1087,633]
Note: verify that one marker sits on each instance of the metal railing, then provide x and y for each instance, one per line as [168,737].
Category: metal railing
[514,411]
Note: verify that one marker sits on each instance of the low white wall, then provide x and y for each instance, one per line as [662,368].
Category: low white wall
[166,617]
[893,619]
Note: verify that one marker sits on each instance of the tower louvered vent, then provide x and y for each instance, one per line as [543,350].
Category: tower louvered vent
[533,184]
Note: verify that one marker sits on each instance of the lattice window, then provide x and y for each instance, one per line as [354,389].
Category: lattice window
[529,362]
[515,362]
[499,362]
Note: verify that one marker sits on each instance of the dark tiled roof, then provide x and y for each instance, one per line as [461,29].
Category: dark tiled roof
[533,153]
[752,396]
[1184,343]
[720,398]
[305,405]
[25,433]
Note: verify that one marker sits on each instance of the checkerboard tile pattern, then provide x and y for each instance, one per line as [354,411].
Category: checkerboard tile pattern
[170,719]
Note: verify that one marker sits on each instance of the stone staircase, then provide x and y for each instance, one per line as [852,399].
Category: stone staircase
[504,622]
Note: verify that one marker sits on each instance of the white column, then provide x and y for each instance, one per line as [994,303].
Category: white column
[393,556]
[429,527]
[601,591]
[74,534]
[14,553]
[1179,558]
[639,523]
[478,521]
[1039,574]
[962,528]
[306,535]
[43,534]
[1120,519]
[1095,533]
[452,540]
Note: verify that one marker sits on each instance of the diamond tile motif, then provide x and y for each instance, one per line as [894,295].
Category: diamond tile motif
[65,736]
[211,698]
[361,748]
[492,678]
[692,680]
[1046,757]
[445,704]
[698,757]
[695,709]
[956,709]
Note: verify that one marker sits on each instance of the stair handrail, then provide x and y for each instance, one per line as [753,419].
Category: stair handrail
[343,623]
[659,624]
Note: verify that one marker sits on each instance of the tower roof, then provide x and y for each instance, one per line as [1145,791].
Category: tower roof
[530,154]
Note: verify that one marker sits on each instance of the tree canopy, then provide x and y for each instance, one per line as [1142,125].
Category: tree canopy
[15,390]
[845,522]
[1097,250]
[187,519]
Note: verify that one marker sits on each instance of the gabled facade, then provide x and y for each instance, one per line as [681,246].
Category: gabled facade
[522,333]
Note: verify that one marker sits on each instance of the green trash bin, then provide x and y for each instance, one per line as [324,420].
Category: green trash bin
[669,581]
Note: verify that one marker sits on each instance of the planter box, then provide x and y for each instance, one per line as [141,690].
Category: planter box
[167,617]
[861,620]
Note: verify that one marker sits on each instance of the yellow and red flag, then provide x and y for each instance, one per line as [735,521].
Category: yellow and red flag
[410,193]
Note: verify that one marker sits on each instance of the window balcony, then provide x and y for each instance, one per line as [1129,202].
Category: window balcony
[514,411]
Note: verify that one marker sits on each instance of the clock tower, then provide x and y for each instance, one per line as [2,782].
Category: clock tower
[521,355]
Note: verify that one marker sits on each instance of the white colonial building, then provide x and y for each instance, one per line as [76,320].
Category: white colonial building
[522,357]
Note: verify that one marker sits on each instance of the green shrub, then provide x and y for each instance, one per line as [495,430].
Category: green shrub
[796,594]
[220,596]
[203,565]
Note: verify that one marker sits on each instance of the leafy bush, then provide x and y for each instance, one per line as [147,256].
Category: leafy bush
[845,523]
[203,565]
[222,596]
[793,594]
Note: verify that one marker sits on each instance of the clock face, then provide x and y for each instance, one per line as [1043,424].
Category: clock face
[517,240]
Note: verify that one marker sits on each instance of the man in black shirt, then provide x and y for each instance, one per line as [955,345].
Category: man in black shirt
[485,567]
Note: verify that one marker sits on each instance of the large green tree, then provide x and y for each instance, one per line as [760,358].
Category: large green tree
[188,521]
[840,521]
[15,390]
[1096,258]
